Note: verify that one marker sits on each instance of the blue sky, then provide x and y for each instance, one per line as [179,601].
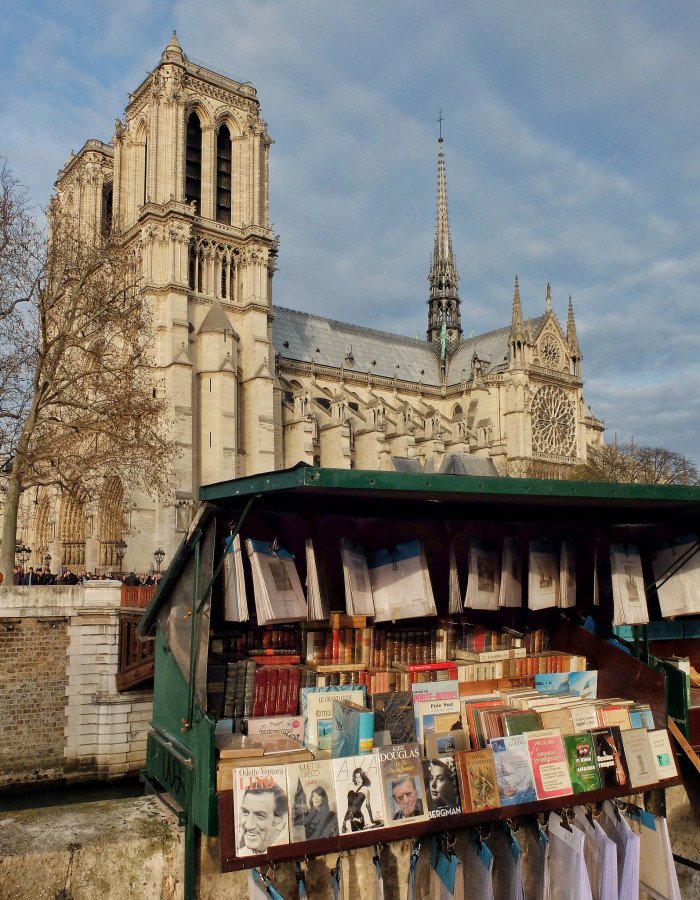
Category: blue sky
[571,140]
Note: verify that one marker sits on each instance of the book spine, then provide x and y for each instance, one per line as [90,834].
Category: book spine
[366,731]
[259,692]
[282,687]
[271,691]
[293,692]
[337,645]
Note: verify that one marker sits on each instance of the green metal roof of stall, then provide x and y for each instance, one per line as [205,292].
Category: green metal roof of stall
[283,489]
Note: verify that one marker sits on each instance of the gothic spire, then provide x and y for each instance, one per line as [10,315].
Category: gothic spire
[443,304]
[548,298]
[517,321]
[571,336]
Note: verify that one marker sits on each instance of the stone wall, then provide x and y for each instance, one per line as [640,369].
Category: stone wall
[61,717]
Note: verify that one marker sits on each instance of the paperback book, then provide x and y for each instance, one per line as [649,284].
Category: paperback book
[511,586]
[640,757]
[394,718]
[358,791]
[543,576]
[629,597]
[358,591]
[317,707]
[483,582]
[400,583]
[276,586]
[610,757]
[476,775]
[516,782]
[641,716]
[441,789]
[402,780]
[577,684]
[261,806]
[520,722]
[583,769]
[663,754]
[352,729]
[313,810]
[278,726]
[550,766]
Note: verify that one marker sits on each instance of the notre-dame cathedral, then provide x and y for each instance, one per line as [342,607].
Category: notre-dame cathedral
[254,386]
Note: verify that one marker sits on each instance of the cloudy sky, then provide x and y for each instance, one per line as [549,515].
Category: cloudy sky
[571,140]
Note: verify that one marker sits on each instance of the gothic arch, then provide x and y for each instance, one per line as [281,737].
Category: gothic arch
[227,117]
[71,528]
[110,520]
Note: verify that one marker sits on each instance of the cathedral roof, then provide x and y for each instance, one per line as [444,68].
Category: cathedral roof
[216,320]
[314,339]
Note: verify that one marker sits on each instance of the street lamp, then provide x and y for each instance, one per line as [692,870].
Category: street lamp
[22,552]
[47,561]
[120,548]
[160,556]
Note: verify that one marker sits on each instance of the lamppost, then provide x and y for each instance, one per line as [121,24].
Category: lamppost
[120,549]
[22,552]
[160,556]
[47,561]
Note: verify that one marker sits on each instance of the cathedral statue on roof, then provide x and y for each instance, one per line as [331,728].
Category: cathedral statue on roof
[254,386]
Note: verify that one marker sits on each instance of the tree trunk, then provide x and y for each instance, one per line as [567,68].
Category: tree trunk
[9,529]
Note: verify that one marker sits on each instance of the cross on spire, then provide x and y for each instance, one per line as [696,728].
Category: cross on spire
[440,121]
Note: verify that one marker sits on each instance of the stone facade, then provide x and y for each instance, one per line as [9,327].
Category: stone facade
[61,717]
[252,386]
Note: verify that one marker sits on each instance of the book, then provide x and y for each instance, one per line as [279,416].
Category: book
[358,589]
[641,716]
[440,785]
[426,710]
[559,718]
[543,575]
[476,775]
[614,714]
[578,684]
[448,742]
[278,726]
[317,707]
[520,722]
[676,568]
[358,791]
[436,690]
[235,598]
[394,718]
[484,580]
[402,781]
[610,757]
[549,762]
[583,717]
[641,764]
[583,769]
[261,805]
[491,655]
[663,754]
[511,587]
[400,583]
[316,588]
[352,729]
[226,768]
[516,782]
[276,586]
[629,597]
[313,811]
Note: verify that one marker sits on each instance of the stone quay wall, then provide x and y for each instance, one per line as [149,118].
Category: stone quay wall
[61,717]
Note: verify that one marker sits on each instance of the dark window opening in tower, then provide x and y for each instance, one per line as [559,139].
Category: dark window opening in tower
[191,268]
[224,267]
[193,162]
[144,198]
[223,176]
[107,194]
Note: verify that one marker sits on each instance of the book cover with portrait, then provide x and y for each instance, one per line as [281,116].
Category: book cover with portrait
[313,811]
[358,792]
[260,809]
[441,788]
[402,778]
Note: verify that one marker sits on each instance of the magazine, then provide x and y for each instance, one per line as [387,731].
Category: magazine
[401,583]
[629,597]
[358,591]
[358,792]
[261,807]
[543,578]
[484,580]
[441,788]
[313,812]
[278,593]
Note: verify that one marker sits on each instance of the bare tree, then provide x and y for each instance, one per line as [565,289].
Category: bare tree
[635,463]
[79,400]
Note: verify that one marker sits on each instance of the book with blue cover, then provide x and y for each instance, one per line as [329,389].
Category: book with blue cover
[352,729]
[511,759]
[317,706]
[577,684]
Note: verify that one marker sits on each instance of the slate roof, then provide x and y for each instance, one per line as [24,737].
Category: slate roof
[307,338]
[216,320]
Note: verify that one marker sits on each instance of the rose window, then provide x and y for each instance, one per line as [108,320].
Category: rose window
[551,352]
[553,424]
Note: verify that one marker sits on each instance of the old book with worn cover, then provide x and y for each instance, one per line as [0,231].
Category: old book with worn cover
[441,788]
[549,764]
[641,716]
[640,757]
[402,780]
[610,757]
[476,775]
[358,791]
[394,718]
[260,809]
[663,754]
[520,722]
[352,729]
[313,812]
[583,769]
[516,783]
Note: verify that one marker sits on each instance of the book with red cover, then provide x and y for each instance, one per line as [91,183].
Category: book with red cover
[271,692]
[259,691]
[282,687]
[550,765]
[293,692]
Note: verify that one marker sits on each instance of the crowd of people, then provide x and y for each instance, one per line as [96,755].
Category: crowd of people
[32,576]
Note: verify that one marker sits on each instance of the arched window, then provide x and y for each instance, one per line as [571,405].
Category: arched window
[223,175]
[193,163]
[106,223]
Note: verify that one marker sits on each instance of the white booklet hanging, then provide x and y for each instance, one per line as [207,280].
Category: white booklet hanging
[543,576]
[677,572]
[567,575]
[401,583]
[484,579]
[629,599]
[316,596]
[235,598]
[358,590]
[511,587]
[278,593]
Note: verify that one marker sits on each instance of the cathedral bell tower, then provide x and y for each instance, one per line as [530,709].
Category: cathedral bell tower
[444,320]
